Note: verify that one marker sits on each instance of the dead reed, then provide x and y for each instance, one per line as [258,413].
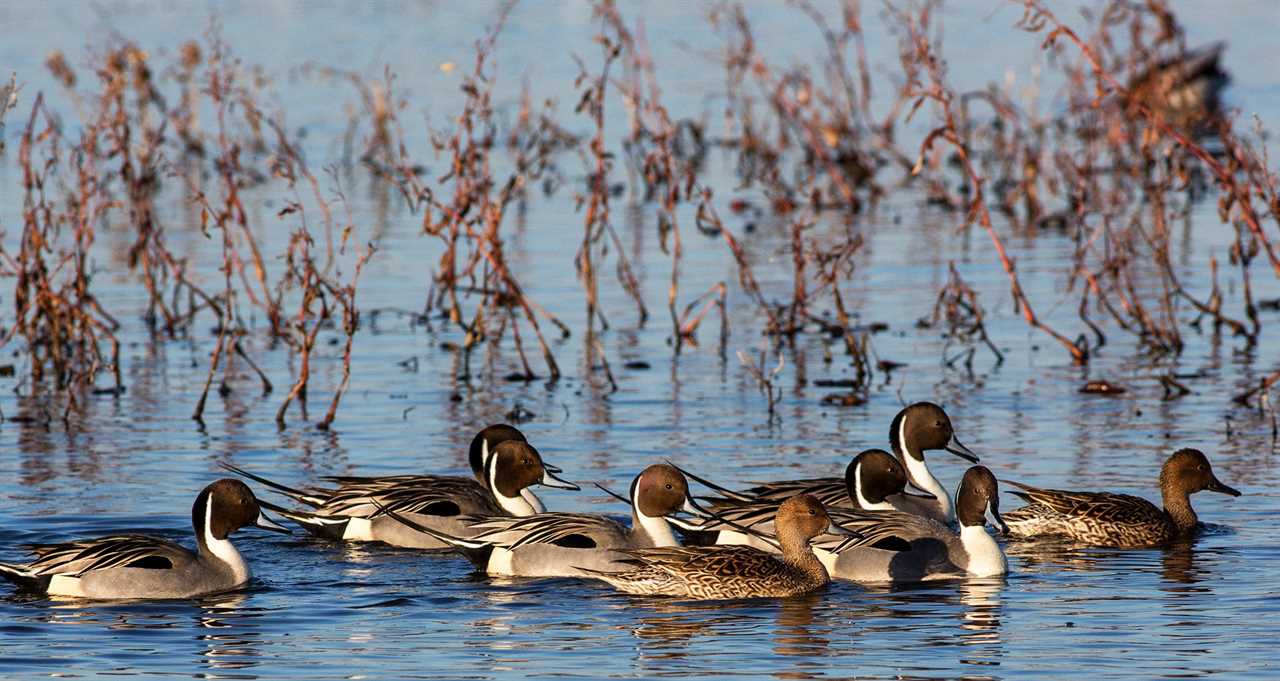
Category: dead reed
[1118,171]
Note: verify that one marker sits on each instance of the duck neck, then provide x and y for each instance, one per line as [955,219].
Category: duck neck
[799,554]
[532,499]
[519,505]
[649,532]
[1177,504]
[920,475]
[219,550]
[861,499]
[985,558]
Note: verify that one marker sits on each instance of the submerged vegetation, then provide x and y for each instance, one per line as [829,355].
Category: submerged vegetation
[1140,141]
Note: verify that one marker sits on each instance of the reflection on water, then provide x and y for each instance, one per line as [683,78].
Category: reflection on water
[234,641]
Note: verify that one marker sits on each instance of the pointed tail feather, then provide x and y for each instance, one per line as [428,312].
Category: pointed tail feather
[476,552]
[294,493]
[325,526]
[726,492]
[23,577]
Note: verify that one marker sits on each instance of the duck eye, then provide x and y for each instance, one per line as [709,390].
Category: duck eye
[668,485]
[812,512]
[938,424]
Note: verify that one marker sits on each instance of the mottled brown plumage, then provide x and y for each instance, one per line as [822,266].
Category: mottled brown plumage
[1107,519]
[717,572]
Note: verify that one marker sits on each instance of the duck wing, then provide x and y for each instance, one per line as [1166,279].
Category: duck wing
[715,562]
[569,530]
[888,530]
[1100,506]
[126,550]
[830,491]
[427,495]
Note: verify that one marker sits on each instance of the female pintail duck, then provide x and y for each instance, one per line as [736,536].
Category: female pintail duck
[562,544]
[351,511]
[1122,520]
[903,547]
[718,572]
[135,566]
[918,428]
[874,481]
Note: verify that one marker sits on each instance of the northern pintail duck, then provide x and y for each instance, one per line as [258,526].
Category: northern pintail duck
[721,572]
[350,512]
[1185,88]
[135,566]
[918,428]
[1122,520]
[566,544]
[903,547]
[874,481]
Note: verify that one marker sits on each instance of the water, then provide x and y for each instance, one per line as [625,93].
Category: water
[320,610]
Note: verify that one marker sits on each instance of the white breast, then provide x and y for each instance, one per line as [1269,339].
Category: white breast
[985,559]
[65,585]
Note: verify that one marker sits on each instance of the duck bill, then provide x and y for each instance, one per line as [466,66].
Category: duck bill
[549,479]
[843,531]
[851,538]
[548,467]
[270,525]
[999,522]
[955,447]
[1215,485]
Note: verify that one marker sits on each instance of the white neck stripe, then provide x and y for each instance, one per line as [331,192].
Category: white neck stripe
[222,549]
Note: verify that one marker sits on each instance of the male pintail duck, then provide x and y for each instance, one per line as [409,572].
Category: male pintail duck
[918,428]
[135,566]
[562,544]
[874,481]
[482,446]
[351,511]
[721,572]
[903,547]
[1122,520]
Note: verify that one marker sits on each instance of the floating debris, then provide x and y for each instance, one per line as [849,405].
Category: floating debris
[1103,388]
[844,400]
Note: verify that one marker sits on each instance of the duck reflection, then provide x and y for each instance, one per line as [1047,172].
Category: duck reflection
[797,633]
[980,618]
[670,626]
[226,633]
[1180,570]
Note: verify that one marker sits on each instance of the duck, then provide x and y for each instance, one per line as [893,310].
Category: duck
[1185,89]
[873,481]
[904,547]
[731,572]
[564,544]
[482,446]
[350,512]
[1120,520]
[917,428]
[137,566]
